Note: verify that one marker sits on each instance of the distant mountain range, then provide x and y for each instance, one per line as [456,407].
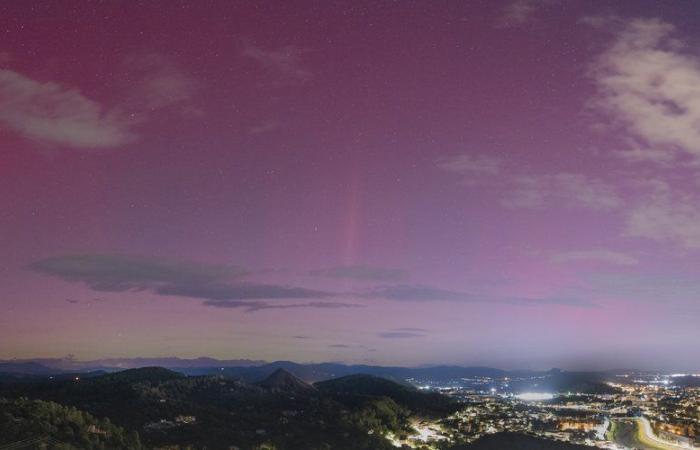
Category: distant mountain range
[323,371]
[73,365]
[27,368]
[249,371]
[244,369]
[309,372]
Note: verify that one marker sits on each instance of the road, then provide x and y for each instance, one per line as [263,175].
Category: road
[637,433]
[649,435]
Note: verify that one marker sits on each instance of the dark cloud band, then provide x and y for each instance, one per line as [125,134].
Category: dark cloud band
[220,286]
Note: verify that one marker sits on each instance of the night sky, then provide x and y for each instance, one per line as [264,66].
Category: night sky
[514,184]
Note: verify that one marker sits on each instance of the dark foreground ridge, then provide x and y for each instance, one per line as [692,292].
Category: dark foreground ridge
[157,408]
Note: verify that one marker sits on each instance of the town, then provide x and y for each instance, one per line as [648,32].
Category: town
[647,412]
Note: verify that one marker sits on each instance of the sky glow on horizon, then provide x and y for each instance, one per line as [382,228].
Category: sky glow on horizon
[504,183]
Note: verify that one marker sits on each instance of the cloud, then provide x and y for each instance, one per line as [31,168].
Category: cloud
[225,287]
[403,333]
[51,113]
[468,164]
[521,189]
[649,83]
[519,12]
[637,154]
[647,287]
[415,293]
[160,84]
[55,114]
[265,127]
[220,285]
[595,255]
[429,293]
[411,329]
[167,89]
[570,190]
[259,306]
[5,57]
[236,291]
[551,301]
[359,272]
[648,86]
[285,63]
[667,215]
[116,273]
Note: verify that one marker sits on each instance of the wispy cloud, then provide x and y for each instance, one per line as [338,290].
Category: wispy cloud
[469,164]
[570,190]
[51,113]
[411,329]
[285,64]
[260,306]
[116,273]
[160,84]
[644,287]
[667,215]
[5,57]
[361,272]
[520,189]
[236,291]
[265,126]
[59,115]
[519,12]
[634,153]
[595,255]
[403,333]
[551,301]
[414,293]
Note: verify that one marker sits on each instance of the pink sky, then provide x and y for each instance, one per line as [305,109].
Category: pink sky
[503,183]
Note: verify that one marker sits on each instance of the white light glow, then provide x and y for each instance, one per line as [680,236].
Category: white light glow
[534,396]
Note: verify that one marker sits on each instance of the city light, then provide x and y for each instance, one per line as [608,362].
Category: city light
[534,396]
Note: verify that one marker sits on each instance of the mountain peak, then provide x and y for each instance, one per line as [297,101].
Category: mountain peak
[284,380]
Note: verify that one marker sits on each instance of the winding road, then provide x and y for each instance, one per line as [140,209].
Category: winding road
[637,433]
